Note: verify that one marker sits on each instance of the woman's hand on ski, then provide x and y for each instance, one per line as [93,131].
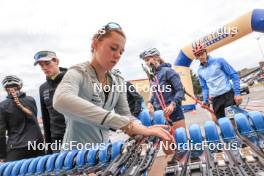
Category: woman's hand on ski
[135,128]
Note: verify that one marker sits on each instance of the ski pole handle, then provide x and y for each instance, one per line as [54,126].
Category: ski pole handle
[12,92]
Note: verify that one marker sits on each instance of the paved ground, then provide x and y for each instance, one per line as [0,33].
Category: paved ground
[255,99]
[252,101]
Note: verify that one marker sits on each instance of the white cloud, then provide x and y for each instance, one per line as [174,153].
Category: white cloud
[66,27]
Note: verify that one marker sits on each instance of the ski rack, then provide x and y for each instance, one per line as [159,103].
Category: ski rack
[244,132]
[132,157]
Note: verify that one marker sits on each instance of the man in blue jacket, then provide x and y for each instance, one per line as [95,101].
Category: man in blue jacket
[214,76]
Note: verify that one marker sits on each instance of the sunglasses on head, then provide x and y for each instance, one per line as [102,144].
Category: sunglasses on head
[108,27]
[112,25]
[41,54]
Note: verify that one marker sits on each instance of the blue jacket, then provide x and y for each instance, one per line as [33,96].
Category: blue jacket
[215,78]
[170,85]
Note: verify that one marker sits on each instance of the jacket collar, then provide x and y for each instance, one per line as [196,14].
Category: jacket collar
[206,63]
[163,65]
[59,76]
[94,76]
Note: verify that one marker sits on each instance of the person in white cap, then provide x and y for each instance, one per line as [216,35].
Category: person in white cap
[53,121]
[18,117]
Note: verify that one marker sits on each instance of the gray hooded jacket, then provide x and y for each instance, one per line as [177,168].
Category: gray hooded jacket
[88,116]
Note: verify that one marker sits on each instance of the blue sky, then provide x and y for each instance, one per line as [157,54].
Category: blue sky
[66,27]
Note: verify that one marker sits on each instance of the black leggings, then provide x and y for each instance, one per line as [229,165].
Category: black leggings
[22,153]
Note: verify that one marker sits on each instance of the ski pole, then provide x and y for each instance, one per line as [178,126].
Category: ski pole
[160,97]
[202,105]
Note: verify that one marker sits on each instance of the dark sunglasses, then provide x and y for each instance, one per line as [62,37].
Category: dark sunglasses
[112,25]
[108,27]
